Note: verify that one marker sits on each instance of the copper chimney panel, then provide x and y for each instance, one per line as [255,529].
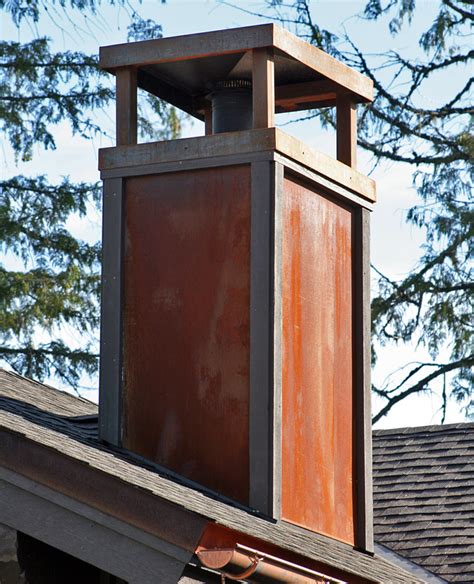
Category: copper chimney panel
[235,344]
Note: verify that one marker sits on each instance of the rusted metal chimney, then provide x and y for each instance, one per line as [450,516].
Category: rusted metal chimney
[235,316]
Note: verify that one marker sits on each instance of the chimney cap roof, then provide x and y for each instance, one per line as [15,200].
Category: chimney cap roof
[179,69]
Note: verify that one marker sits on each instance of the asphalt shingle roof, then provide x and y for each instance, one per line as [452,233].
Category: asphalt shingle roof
[68,426]
[424,497]
[423,477]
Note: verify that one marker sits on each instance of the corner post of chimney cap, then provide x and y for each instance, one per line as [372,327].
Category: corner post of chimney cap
[126,106]
[263,88]
[346,129]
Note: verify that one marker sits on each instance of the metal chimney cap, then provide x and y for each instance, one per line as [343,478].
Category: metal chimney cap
[179,69]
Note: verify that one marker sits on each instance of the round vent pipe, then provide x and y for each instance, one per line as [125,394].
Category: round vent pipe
[231,106]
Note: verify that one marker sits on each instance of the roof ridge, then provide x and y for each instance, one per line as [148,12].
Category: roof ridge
[424,429]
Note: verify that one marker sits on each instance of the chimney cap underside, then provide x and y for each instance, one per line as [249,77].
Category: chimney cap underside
[180,69]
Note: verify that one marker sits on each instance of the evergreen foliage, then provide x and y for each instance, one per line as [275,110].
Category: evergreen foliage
[433,305]
[57,283]
[52,284]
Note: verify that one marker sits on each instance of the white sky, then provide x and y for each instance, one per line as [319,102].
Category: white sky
[395,245]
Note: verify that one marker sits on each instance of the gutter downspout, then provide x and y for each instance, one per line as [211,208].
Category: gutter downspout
[242,563]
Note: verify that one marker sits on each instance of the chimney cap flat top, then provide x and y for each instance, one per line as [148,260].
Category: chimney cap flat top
[179,69]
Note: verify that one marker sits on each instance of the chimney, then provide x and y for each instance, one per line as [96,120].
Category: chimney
[235,341]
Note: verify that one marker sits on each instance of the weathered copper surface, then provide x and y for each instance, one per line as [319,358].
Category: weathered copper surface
[217,536]
[242,562]
[317,379]
[186,324]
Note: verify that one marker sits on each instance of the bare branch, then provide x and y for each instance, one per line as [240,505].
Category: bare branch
[422,385]
[463,13]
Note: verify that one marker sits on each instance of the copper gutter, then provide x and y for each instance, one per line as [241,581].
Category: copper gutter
[244,563]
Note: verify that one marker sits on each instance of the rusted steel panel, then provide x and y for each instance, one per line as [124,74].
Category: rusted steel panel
[186,324]
[317,384]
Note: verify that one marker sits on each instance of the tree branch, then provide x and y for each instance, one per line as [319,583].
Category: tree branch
[385,304]
[67,353]
[466,15]
[422,384]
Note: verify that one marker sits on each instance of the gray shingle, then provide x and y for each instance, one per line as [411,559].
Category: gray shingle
[423,477]
[67,427]
[424,497]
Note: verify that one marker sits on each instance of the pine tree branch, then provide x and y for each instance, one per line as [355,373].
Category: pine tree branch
[68,353]
[400,293]
[71,96]
[422,384]
[464,286]
[50,191]
[463,13]
[91,63]
[429,68]
[414,158]
[403,104]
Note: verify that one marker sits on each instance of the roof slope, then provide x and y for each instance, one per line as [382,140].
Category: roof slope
[423,481]
[64,426]
[424,497]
